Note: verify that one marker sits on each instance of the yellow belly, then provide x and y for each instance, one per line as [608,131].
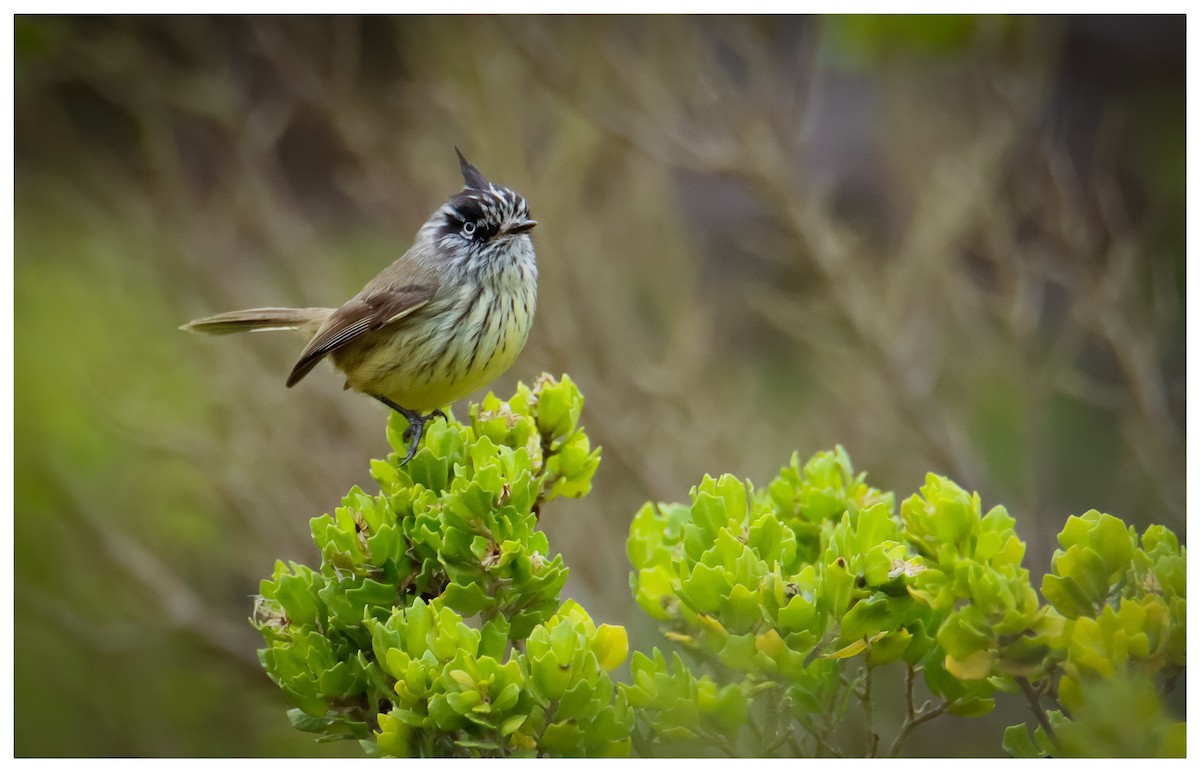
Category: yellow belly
[432,360]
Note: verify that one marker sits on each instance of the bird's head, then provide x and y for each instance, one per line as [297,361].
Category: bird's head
[483,213]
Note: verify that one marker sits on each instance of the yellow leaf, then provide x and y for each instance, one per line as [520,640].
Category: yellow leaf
[713,625]
[924,596]
[974,667]
[611,645]
[856,648]
[848,651]
[770,643]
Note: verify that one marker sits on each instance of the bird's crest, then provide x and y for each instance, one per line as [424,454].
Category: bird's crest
[472,177]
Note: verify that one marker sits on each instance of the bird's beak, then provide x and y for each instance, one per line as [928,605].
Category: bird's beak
[521,227]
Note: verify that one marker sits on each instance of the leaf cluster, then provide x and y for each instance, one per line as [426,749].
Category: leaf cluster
[434,624]
[1119,610]
[793,595]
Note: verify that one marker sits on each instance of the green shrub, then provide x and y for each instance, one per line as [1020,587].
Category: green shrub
[435,626]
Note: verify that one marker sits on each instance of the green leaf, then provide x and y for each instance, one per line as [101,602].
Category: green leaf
[798,614]
[871,615]
[1089,571]
[295,592]
[875,526]
[427,469]
[965,632]
[705,589]
[890,647]
[1114,541]
[708,512]
[306,723]
[558,408]
[1067,597]
[371,593]
[1019,744]
[512,724]
[653,591]
[836,588]
[741,609]
[972,707]
[563,738]
[468,599]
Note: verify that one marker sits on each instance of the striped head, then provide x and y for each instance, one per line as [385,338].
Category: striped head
[483,224]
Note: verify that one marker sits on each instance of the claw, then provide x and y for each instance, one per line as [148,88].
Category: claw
[416,425]
[412,450]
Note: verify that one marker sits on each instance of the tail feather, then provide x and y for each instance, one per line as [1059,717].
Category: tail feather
[256,319]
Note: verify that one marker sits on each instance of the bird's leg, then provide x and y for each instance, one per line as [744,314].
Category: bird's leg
[416,424]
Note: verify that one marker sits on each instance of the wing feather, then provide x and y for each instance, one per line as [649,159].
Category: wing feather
[361,315]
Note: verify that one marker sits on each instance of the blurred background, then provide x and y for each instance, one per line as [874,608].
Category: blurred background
[951,244]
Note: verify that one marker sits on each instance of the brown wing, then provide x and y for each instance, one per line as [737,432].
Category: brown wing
[363,314]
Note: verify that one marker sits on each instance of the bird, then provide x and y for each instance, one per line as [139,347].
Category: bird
[449,316]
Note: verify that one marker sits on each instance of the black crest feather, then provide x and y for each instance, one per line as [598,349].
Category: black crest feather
[472,177]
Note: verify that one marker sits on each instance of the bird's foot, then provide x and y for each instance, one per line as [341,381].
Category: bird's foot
[416,425]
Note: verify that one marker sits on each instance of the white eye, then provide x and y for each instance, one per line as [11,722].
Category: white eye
[468,228]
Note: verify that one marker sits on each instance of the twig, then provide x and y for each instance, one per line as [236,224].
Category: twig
[780,741]
[1035,704]
[720,741]
[824,746]
[757,730]
[913,717]
[863,691]
[777,728]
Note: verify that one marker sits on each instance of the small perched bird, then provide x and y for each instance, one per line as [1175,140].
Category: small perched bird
[448,317]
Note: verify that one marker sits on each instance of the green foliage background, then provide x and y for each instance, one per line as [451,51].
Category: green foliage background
[949,244]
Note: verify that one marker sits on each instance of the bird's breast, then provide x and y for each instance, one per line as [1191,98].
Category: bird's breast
[462,341]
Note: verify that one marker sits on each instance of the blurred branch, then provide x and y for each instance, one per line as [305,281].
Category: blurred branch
[113,637]
[235,480]
[761,161]
[183,608]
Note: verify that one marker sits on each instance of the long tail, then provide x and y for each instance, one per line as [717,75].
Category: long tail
[307,320]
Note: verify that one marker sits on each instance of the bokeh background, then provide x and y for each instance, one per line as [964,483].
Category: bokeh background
[949,244]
